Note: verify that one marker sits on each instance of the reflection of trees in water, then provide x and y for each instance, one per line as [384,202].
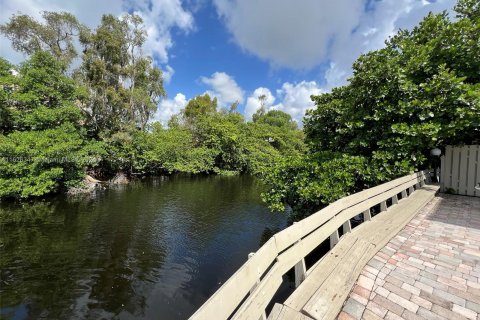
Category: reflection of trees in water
[101,257]
[54,253]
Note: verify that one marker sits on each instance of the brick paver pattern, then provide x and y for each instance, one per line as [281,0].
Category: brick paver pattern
[430,270]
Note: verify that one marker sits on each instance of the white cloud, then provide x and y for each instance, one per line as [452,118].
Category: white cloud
[169,107]
[294,99]
[294,34]
[224,88]
[374,27]
[168,73]
[160,17]
[304,34]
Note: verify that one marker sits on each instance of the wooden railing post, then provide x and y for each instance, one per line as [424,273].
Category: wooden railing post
[395,199]
[410,190]
[264,314]
[347,227]
[367,216]
[334,238]
[404,194]
[300,270]
[383,206]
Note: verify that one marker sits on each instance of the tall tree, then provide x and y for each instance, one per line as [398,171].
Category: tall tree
[124,85]
[57,35]
[43,148]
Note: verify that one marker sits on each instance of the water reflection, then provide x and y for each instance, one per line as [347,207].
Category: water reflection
[154,249]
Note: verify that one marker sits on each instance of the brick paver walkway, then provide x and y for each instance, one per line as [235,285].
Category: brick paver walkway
[430,270]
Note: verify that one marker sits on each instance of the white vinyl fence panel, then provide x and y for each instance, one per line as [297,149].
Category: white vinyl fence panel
[460,170]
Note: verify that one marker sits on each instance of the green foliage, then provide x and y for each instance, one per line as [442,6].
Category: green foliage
[56,36]
[173,150]
[421,91]
[204,140]
[41,96]
[200,105]
[275,118]
[307,183]
[54,127]
[42,148]
[124,85]
[35,163]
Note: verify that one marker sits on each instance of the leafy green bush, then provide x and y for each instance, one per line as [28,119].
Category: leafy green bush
[419,92]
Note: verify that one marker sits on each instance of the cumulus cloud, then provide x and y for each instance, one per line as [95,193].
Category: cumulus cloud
[376,25]
[295,34]
[167,73]
[304,34]
[224,88]
[160,17]
[293,98]
[169,107]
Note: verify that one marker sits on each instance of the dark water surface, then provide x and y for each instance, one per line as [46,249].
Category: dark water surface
[155,249]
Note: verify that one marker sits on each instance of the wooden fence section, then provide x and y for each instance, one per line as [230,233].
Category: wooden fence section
[460,170]
[248,292]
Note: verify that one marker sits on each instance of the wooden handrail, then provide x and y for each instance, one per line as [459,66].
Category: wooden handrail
[246,294]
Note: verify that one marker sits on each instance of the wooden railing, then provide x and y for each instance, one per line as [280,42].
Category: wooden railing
[248,292]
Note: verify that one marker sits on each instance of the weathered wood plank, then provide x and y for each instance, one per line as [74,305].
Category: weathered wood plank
[338,284]
[307,244]
[282,312]
[383,206]
[320,271]
[334,238]
[347,227]
[472,164]
[257,302]
[394,199]
[290,314]
[277,308]
[367,216]
[300,272]
[477,180]
[442,173]
[456,169]
[448,166]
[463,172]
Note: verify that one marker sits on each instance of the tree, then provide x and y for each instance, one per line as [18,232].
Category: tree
[41,96]
[55,36]
[7,85]
[276,118]
[200,105]
[468,9]
[43,148]
[124,85]
[262,110]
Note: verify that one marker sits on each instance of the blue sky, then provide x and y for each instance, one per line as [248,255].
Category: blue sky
[237,50]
